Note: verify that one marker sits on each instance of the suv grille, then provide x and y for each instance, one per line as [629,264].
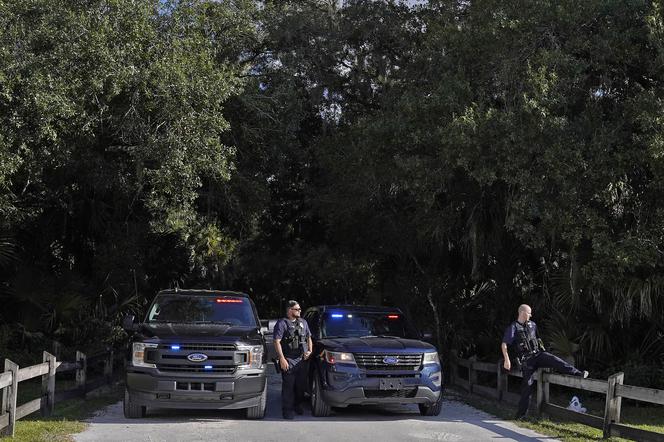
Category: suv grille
[411,392]
[372,361]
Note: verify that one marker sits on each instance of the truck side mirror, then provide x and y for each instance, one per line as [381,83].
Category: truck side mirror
[427,335]
[128,323]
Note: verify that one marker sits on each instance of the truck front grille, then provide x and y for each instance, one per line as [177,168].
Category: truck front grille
[190,368]
[201,347]
[373,361]
[195,386]
[220,358]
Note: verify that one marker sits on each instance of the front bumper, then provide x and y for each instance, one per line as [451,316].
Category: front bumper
[196,392]
[348,385]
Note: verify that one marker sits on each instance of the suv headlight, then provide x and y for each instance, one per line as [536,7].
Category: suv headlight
[254,357]
[138,354]
[431,358]
[334,357]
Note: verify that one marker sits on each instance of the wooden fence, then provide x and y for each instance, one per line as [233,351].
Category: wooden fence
[613,388]
[13,375]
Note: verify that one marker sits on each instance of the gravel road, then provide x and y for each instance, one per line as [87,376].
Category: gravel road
[457,422]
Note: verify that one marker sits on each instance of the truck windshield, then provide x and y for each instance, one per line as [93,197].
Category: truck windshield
[352,324]
[202,309]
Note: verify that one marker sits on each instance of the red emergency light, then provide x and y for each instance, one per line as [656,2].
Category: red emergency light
[392,316]
[228,301]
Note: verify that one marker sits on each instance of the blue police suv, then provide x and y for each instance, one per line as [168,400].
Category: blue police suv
[370,355]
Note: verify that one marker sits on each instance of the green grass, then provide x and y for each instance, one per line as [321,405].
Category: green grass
[66,420]
[646,418]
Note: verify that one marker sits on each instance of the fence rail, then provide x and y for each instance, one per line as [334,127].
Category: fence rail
[613,388]
[13,375]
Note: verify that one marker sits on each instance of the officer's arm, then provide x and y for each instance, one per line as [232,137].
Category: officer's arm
[277,348]
[283,362]
[507,365]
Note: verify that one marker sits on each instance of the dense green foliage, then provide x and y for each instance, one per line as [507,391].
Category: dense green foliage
[455,159]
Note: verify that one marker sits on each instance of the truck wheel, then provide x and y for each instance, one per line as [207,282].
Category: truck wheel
[433,409]
[318,406]
[258,412]
[131,410]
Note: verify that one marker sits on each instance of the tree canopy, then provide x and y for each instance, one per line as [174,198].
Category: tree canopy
[455,159]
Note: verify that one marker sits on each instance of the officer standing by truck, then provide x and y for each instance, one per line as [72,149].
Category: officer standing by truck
[292,342]
[530,353]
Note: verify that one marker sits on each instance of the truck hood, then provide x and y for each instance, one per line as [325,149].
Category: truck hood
[203,332]
[377,344]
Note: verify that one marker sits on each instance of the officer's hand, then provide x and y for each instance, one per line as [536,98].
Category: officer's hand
[283,363]
[307,354]
[507,365]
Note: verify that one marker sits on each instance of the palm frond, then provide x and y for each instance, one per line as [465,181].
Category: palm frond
[8,251]
[596,341]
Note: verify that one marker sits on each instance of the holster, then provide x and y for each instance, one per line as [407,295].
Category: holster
[277,367]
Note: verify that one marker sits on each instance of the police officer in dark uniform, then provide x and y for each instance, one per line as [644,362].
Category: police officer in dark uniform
[292,342]
[522,336]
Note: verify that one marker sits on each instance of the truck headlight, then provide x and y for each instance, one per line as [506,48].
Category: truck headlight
[138,355]
[254,357]
[334,357]
[431,358]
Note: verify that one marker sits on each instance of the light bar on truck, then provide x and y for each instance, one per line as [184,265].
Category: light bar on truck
[229,301]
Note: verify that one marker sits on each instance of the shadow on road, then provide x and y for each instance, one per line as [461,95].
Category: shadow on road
[457,421]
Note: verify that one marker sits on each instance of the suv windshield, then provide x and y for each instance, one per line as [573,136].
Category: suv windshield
[347,324]
[202,309]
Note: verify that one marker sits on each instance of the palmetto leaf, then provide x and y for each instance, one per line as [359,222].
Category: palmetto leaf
[8,252]
[597,341]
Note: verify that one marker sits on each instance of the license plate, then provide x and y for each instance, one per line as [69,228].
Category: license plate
[390,384]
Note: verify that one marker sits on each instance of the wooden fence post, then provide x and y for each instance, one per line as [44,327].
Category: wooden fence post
[613,403]
[9,399]
[81,369]
[472,373]
[48,385]
[542,389]
[108,367]
[502,380]
[57,349]
[454,367]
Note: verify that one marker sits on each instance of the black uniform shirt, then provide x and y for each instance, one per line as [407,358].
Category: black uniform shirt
[281,329]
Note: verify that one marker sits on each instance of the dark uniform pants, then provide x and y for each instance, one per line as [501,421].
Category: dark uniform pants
[293,384]
[540,360]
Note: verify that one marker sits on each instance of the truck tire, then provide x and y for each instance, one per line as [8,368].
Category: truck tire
[131,410]
[318,406]
[258,412]
[433,409]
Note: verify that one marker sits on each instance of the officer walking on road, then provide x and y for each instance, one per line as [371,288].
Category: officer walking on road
[292,342]
[530,353]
